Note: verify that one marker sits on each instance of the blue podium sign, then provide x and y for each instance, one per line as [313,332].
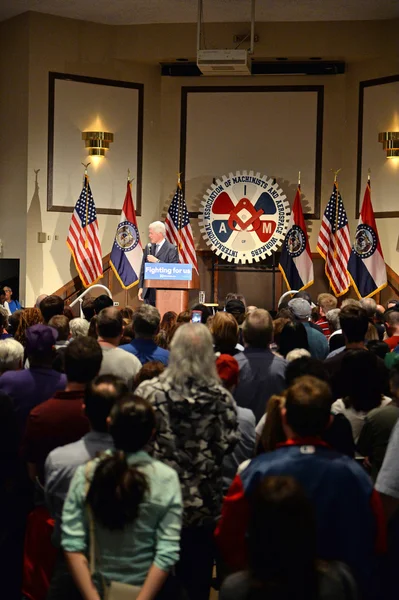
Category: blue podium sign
[168,271]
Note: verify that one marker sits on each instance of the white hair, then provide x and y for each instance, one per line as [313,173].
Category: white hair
[78,327]
[158,227]
[11,355]
[296,353]
[192,358]
[332,317]
[39,299]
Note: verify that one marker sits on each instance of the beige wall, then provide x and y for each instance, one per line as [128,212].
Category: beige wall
[34,44]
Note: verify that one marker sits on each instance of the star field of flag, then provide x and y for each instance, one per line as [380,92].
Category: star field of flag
[81,207]
[174,211]
[331,212]
[178,230]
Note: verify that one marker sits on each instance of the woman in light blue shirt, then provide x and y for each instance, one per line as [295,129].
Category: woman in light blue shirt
[136,504]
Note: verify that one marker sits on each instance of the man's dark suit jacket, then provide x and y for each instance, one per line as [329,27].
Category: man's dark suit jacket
[168,253]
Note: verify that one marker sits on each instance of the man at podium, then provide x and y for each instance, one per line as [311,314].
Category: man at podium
[158,250]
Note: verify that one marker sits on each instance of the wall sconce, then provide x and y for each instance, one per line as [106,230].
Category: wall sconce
[97,142]
[390,142]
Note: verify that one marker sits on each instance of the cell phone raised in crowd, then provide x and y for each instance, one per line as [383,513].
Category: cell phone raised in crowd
[196,316]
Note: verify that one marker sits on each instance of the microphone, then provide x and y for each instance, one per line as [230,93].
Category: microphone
[148,249]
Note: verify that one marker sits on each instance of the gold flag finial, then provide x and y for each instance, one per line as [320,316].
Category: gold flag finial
[335,174]
[85,166]
[368,175]
[179,180]
[299,179]
[128,175]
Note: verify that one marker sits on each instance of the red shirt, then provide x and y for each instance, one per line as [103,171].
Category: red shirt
[54,423]
[324,326]
[392,341]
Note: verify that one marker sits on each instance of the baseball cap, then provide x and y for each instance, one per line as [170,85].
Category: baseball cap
[227,368]
[300,308]
[235,306]
[40,338]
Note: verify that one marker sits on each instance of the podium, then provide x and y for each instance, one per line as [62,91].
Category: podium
[171,293]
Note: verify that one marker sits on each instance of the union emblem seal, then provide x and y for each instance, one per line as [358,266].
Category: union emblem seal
[127,236]
[244,217]
[365,241]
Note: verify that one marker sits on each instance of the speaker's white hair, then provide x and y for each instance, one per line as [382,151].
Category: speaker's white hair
[192,358]
[11,355]
[158,227]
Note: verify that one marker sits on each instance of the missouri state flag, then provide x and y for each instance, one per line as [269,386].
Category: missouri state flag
[296,263]
[127,253]
[366,264]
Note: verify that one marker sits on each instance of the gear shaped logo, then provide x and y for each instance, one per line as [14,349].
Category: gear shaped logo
[244,217]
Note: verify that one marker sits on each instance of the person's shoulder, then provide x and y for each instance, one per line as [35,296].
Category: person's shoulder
[62,455]
[126,356]
[245,415]
[161,354]
[336,581]
[164,471]
[128,347]
[235,587]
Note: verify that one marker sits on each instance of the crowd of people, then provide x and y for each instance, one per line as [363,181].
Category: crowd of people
[157,457]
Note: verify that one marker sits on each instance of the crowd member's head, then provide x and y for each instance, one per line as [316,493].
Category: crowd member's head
[326,302]
[228,371]
[11,355]
[258,329]
[8,293]
[278,326]
[184,317]
[166,327]
[354,323]
[378,348]
[88,308]
[237,309]
[296,353]
[146,322]
[394,382]
[61,324]
[380,308]
[14,321]
[225,332]
[110,325]
[293,336]
[332,317]
[127,312]
[304,296]
[370,306]
[393,303]
[156,232]
[285,313]
[148,371]
[206,312]
[51,306]
[78,327]
[117,488]
[273,432]
[306,365]
[68,313]
[300,308]
[372,333]
[128,333]
[307,408]
[192,358]
[3,320]
[100,396]
[92,332]
[392,322]
[234,296]
[40,341]
[350,302]
[101,302]
[168,320]
[82,360]
[29,317]
[282,545]
[251,309]
[39,299]
[361,382]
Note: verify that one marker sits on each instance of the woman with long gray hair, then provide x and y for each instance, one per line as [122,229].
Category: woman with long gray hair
[196,427]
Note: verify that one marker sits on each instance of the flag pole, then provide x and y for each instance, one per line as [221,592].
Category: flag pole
[368,177]
[87,201]
[179,208]
[299,179]
[336,207]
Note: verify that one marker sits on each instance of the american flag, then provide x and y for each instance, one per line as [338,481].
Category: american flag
[83,238]
[334,243]
[178,229]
